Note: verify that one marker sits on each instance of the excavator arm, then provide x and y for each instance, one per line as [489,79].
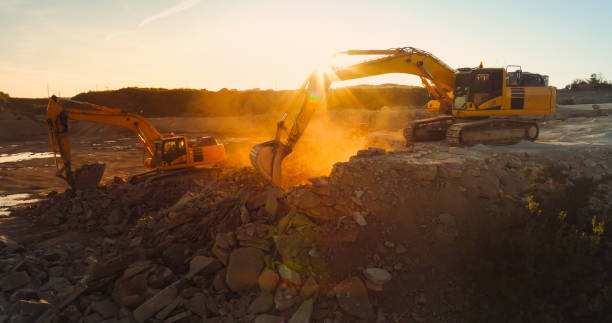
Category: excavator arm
[57,120]
[438,78]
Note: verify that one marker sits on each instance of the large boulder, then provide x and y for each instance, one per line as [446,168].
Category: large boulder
[243,269]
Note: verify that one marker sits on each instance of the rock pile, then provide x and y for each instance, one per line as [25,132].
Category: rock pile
[373,242]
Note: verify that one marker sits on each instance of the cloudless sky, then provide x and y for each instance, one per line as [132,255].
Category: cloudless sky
[73,46]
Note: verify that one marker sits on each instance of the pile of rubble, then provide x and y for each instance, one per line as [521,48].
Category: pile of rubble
[373,242]
[225,248]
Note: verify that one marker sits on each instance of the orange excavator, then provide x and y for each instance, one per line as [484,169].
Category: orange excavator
[164,153]
[478,105]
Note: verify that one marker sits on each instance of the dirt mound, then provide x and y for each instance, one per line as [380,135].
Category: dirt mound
[17,127]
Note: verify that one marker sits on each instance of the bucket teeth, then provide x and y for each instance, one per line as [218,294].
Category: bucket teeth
[89,176]
[267,158]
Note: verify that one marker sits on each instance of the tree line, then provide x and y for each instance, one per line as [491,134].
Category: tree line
[179,102]
[594,82]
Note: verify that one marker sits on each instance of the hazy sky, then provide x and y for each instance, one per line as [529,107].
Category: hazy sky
[75,45]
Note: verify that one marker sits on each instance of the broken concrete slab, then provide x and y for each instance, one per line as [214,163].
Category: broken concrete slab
[303,313]
[202,264]
[155,303]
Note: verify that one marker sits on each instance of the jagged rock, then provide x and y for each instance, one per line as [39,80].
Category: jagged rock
[136,268]
[303,313]
[353,298]
[190,291]
[359,219]
[160,276]
[289,275]
[197,304]
[376,278]
[285,297]
[218,283]
[131,301]
[513,161]
[243,269]
[166,311]
[306,199]
[371,151]
[114,265]
[268,279]
[309,288]
[14,280]
[224,242]
[272,200]
[155,303]
[176,254]
[202,264]
[129,293]
[262,303]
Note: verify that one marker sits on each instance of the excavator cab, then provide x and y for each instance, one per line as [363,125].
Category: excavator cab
[170,151]
[173,149]
[474,87]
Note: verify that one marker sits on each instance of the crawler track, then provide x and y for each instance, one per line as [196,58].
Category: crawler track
[431,129]
[491,132]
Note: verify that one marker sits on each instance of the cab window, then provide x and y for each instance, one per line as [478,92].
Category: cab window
[173,149]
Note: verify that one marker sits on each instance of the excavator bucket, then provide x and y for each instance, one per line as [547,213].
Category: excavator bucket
[88,176]
[267,158]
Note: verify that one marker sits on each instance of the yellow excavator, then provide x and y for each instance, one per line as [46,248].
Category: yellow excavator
[475,105]
[164,153]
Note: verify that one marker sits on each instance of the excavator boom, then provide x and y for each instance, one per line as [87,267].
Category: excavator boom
[439,79]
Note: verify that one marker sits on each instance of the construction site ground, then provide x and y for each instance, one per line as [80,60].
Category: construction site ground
[379,234]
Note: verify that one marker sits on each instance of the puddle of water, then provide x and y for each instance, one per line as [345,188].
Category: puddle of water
[10,158]
[7,201]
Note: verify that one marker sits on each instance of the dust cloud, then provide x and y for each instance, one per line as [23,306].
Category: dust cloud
[332,136]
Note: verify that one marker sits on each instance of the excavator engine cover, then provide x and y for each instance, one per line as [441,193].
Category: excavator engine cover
[88,176]
[267,159]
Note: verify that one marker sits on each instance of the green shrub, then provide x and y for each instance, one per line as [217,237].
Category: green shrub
[547,263]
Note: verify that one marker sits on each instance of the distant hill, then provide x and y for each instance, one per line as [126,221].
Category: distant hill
[192,102]
[180,102]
